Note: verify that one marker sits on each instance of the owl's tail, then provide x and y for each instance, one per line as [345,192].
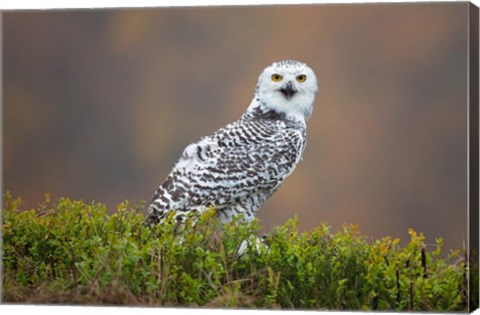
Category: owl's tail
[158,209]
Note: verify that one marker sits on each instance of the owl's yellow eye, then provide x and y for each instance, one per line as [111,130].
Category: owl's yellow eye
[276,77]
[301,78]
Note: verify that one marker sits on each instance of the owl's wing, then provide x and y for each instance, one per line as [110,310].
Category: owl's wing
[221,171]
[221,175]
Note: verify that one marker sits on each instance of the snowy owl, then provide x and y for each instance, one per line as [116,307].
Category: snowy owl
[237,168]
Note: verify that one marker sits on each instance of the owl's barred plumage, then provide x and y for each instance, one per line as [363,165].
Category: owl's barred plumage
[237,168]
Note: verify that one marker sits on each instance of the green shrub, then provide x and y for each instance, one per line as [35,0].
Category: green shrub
[73,252]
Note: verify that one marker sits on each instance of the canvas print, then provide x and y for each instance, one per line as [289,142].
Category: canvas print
[320,157]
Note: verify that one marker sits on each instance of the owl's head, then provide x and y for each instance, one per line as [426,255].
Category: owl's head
[288,87]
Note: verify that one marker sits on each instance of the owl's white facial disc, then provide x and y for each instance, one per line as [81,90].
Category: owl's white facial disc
[287,87]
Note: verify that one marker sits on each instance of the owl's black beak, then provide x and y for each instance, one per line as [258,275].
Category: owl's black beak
[288,91]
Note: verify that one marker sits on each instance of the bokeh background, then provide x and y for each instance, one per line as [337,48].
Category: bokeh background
[99,104]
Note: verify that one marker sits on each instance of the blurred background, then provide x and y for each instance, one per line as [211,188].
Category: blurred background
[99,104]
